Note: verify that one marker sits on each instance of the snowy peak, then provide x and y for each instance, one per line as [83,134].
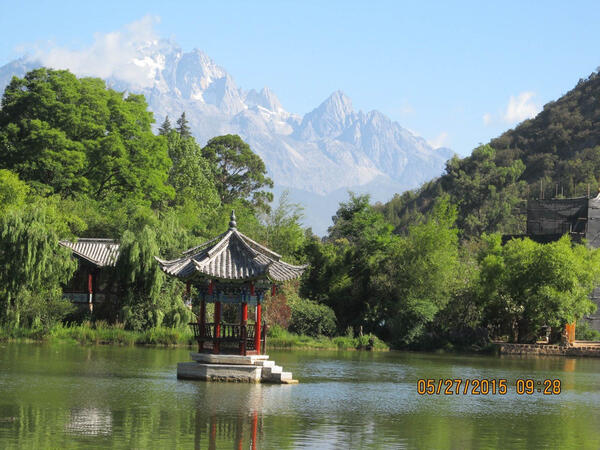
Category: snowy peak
[265,98]
[331,149]
[329,119]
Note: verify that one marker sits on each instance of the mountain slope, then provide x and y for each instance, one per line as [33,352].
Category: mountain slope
[331,149]
[557,153]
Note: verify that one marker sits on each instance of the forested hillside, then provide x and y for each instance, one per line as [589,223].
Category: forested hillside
[78,159]
[557,153]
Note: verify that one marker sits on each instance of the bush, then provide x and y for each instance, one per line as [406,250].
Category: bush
[277,310]
[583,332]
[312,319]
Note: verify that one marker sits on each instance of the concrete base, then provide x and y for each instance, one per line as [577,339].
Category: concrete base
[245,369]
[219,372]
[209,358]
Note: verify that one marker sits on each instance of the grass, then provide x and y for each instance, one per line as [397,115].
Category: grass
[280,338]
[88,333]
[100,333]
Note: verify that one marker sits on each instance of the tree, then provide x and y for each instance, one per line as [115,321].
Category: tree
[12,191]
[74,136]
[183,127]
[415,279]
[240,174]
[282,231]
[140,280]
[341,271]
[33,265]
[165,127]
[190,175]
[526,285]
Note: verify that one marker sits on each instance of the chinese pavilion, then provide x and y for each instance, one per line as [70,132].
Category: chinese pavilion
[91,282]
[230,269]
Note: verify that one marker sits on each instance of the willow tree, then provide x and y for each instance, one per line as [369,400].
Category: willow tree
[33,266]
[147,299]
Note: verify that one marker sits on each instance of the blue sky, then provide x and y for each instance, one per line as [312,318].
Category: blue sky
[457,74]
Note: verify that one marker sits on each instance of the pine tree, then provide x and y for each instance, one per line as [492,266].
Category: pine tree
[182,127]
[165,127]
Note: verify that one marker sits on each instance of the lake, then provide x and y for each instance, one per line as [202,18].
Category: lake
[70,396]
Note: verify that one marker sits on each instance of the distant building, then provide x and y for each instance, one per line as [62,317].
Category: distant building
[549,220]
[91,282]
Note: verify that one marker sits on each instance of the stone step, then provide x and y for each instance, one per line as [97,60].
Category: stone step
[264,363]
[282,376]
[267,372]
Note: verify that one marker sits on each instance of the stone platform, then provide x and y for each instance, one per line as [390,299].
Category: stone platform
[235,368]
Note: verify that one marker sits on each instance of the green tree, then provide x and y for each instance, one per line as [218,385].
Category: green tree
[526,285]
[240,174]
[12,191]
[140,279]
[416,278]
[190,175]
[165,127]
[341,271]
[147,298]
[282,231]
[183,127]
[74,136]
[33,265]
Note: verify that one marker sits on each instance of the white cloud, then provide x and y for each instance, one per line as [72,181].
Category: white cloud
[519,108]
[440,140]
[113,54]
[487,119]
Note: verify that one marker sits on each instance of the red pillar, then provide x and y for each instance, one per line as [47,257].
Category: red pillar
[202,323]
[216,346]
[257,331]
[244,332]
[212,438]
[254,428]
[90,291]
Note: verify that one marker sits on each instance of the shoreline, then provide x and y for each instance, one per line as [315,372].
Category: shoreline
[174,337]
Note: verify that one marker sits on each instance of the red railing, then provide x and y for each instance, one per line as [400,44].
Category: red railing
[228,336]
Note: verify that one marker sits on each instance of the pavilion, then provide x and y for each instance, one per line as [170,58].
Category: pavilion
[230,269]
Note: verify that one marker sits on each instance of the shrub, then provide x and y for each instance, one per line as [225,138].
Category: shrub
[312,319]
[277,310]
[583,332]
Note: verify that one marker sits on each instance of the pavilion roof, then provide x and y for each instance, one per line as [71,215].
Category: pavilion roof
[99,252]
[231,256]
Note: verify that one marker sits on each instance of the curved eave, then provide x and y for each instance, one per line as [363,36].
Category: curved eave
[280,271]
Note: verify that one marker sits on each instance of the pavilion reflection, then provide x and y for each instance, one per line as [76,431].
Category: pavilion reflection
[234,421]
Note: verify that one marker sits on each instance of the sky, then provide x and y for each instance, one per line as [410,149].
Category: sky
[455,73]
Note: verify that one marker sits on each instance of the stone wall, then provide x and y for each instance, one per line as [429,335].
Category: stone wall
[580,349]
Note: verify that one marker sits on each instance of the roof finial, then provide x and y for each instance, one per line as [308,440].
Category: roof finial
[232,222]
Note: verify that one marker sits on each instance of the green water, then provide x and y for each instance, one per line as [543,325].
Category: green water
[66,396]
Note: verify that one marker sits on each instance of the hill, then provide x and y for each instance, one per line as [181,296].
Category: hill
[555,154]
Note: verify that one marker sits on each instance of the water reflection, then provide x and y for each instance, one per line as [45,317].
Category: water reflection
[227,414]
[90,422]
[91,397]
[215,431]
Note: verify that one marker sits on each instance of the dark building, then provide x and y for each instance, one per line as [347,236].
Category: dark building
[548,220]
[91,282]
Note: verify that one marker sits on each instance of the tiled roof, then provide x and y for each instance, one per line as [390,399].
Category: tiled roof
[100,252]
[231,256]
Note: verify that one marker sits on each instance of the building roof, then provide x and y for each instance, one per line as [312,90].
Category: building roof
[100,252]
[231,256]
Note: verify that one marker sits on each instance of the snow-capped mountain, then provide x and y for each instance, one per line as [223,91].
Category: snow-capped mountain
[317,157]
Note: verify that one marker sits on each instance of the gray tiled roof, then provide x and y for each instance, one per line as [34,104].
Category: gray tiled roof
[100,252]
[231,256]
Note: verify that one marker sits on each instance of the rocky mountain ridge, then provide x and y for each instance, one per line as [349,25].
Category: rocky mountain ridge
[329,150]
